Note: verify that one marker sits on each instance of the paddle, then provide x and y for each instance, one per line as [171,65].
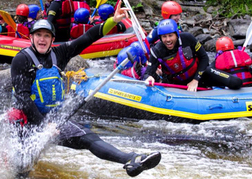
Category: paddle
[248,40]
[8,19]
[98,3]
[116,4]
[42,5]
[158,84]
[83,101]
[138,29]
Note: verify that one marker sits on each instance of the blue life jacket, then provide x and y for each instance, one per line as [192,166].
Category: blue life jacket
[47,90]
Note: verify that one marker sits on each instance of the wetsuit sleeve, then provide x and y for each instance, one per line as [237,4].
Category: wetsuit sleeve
[22,81]
[53,10]
[212,65]
[152,65]
[121,27]
[108,25]
[203,60]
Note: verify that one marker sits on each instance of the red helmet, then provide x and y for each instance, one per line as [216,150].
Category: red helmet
[224,43]
[170,8]
[22,10]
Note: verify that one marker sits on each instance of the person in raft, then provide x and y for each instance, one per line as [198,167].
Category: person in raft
[234,61]
[169,10]
[43,63]
[184,61]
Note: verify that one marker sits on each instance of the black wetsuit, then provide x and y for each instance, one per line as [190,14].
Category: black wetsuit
[206,75]
[54,12]
[72,135]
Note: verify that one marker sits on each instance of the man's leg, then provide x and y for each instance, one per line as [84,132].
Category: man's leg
[134,163]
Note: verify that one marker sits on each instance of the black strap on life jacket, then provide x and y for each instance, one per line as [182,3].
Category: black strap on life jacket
[35,59]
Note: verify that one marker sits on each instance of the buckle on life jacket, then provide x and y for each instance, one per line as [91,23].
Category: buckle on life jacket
[17,116]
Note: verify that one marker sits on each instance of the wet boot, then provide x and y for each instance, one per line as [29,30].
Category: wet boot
[139,163]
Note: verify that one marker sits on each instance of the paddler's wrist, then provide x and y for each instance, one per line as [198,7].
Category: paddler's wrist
[108,25]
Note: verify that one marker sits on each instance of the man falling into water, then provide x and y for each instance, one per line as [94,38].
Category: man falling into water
[32,71]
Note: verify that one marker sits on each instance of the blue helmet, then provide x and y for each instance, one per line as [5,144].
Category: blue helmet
[105,10]
[81,15]
[122,55]
[137,45]
[33,11]
[167,26]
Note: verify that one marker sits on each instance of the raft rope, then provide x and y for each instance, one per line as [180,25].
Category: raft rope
[77,76]
[169,97]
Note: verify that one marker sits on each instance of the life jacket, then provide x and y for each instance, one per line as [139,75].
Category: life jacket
[47,90]
[237,63]
[67,10]
[21,29]
[79,4]
[180,66]
[131,72]
[79,29]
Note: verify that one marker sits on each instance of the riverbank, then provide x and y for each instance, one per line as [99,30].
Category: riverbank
[205,25]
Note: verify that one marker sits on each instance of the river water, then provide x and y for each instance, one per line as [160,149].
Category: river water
[215,149]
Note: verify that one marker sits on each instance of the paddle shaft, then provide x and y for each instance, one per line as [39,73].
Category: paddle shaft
[137,29]
[42,5]
[178,86]
[83,101]
[158,84]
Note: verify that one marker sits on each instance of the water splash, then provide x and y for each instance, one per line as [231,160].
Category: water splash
[21,147]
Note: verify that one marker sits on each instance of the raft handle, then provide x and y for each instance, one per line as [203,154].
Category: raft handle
[215,106]
[235,100]
[168,97]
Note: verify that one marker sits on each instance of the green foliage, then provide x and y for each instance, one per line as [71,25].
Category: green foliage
[228,8]
[137,7]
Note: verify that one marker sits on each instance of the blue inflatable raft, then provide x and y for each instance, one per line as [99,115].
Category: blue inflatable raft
[127,98]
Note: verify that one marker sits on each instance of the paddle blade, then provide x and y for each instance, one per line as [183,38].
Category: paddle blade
[248,40]
[8,19]
[100,2]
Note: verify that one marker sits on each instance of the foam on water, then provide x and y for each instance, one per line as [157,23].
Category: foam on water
[19,156]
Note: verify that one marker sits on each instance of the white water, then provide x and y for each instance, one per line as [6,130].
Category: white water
[215,150]
[20,156]
[182,159]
